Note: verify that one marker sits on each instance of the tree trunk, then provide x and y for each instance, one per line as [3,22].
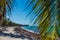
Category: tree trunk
[1,19]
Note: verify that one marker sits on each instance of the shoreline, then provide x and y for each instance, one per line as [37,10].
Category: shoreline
[20,31]
[9,34]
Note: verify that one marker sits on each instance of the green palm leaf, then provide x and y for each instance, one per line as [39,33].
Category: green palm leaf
[48,18]
[5,4]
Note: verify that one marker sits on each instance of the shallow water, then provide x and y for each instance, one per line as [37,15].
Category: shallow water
[31,28]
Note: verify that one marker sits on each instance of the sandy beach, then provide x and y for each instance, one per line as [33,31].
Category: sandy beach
[9,38]
[7,33]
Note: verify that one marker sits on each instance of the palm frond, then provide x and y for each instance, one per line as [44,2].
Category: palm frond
[47,14]
[5,5]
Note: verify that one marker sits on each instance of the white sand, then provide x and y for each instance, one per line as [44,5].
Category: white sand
[10,30]
[8,38]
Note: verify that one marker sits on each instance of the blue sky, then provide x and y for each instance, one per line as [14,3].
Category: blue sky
[19,14]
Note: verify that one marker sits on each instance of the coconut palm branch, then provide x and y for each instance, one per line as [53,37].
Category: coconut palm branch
[46,13]
[5,5]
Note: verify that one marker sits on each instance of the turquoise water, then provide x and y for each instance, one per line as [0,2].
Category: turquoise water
[32,28]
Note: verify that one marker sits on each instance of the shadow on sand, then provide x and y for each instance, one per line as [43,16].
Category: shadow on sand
[12,35]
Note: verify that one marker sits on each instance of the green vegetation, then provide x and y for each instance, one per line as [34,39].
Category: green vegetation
[8,22]
[5,4]
[47,15]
